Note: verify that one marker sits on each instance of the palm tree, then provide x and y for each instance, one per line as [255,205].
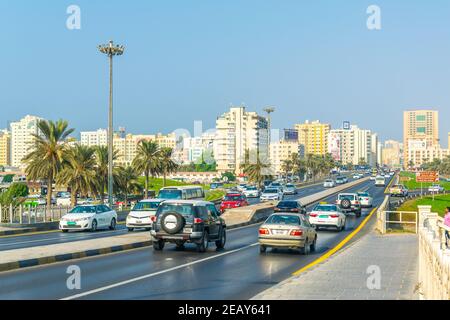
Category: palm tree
[45,159]
[101,166]
[146,160]
[166,164]
[256,171]
[287,166]
[126,182]
[79,172]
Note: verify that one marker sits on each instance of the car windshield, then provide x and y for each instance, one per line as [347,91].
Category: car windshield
[83,209]
[271,191]
[233,198]
[327,208]
[290,186]
[251,188]
[170,194]
[283,219]
[287,204]
[328,181]
[186,210]
[146,206]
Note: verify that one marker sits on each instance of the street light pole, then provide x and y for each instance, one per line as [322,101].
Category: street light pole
[269,110]
[110,50]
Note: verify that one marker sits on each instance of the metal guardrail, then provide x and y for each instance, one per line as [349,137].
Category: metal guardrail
[29,214]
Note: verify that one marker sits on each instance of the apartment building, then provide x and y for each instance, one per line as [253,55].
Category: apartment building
[313,137]
[5,148]
[238,131]
[280,151]
[22,138]
[420,127]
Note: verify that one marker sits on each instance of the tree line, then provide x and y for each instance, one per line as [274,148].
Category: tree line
[84,169]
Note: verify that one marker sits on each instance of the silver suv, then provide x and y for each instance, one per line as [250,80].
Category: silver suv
[188,221]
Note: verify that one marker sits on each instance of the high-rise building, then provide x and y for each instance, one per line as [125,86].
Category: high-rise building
[419,127]
[94,138]
[5,148]
[238,131]
[353,145]
[22,138]
[448,141]
[281,151]
[419,155]
[392,154]
[313,137]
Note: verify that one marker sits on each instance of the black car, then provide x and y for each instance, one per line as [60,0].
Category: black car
[290,206]
[188,221]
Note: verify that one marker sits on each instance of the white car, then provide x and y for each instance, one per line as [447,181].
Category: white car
[141,214]
[329,183]
[242,187]
[356,176]
[327,215]
[380,181]
[251,192]
[290,189]
[365,200]
[272,194]
[89,217]
[436,188]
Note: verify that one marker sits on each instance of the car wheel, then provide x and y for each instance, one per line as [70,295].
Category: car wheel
[312,247]
[158,245]
[112,226]
[130,229]
[305,249]
[223,238]
[262,249]
[203,245]
[148,229]
[94,226]
[65,231]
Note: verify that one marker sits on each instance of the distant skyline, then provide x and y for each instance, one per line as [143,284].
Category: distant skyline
[189,60]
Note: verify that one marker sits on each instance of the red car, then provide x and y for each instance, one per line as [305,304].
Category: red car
[233,200]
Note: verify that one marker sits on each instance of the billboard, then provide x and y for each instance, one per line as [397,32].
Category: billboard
[346,125]
[427,176]
[335,146]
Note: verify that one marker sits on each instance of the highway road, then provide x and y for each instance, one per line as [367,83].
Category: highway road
[237,272]
[54,237]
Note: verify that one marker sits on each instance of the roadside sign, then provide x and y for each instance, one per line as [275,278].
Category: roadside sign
[427,176]
[404,179]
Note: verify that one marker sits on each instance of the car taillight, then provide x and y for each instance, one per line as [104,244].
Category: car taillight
[313,215]
[294,210]
[263,231]
[296,233]
[334,216]
[276,209]
[198,220]
[153,218]
[356,202]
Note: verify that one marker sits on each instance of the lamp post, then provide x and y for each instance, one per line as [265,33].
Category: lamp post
[268,110]
[110,50]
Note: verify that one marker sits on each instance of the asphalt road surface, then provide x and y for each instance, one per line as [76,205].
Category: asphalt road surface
[237,272]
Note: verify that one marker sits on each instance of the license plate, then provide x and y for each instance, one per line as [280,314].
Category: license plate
[71,223]
[323,217]
[187,230]
[138,221]
[279,231]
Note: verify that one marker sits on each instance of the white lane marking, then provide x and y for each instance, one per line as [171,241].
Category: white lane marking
[75,237]
[118,284]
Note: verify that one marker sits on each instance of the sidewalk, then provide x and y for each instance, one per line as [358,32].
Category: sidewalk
[344,276]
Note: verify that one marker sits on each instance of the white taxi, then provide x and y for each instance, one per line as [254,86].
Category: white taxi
[327,215]
[89,217]
[141,214]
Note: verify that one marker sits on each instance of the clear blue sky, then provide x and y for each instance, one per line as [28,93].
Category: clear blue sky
[188,60]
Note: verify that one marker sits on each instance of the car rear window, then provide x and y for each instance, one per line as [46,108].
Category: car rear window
[186,210]
[287,204]
[233,197]
[283,219]
[346,196]
[327,208]
[363,194]
[271,191]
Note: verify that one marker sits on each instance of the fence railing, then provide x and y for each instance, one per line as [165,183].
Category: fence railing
[29,214]
[434,256]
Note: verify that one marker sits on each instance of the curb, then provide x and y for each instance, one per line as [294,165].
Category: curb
[23,231]
[70,256]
